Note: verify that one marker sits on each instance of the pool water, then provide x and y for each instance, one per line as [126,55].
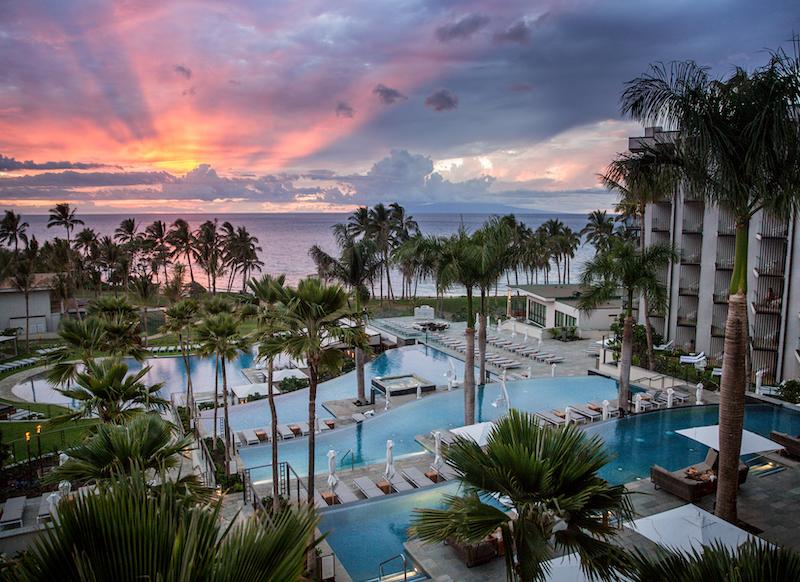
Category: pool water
[426,362]
[365,443]
[364,534]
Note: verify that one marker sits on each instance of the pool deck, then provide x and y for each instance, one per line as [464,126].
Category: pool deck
[770,504]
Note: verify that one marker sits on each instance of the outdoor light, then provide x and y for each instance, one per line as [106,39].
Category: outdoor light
[27,436]
[38,429]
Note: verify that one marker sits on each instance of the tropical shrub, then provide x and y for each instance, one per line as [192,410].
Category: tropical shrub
[789,390]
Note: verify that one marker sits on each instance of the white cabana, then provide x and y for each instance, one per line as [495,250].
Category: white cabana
[478,432]
[709,436]
[688,527]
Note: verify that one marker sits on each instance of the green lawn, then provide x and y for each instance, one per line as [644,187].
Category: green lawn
[58,437]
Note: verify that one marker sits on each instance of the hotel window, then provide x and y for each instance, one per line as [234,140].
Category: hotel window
[564,320]
[538,313]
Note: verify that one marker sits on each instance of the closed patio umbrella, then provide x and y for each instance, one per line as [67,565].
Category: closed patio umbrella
[390,471]
[437,451]
[333,480]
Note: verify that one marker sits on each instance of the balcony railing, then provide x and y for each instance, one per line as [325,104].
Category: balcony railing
[718,330]
[769,342]
[692,227]
[660,225]
[724,263]
[767,306]
[693,196]
[690,258]
[721,296]
[688,319]
[726,227]
[773,226]
[686,288]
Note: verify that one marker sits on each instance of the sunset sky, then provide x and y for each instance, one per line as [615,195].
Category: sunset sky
[259,105]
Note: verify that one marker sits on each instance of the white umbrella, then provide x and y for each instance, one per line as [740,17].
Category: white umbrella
[437,451]
[530,371]
[526,335]
[514,329]
[389,473]
[388,399]
[333,480]
[478,432]
[606,410]
[709,436]
[419,391]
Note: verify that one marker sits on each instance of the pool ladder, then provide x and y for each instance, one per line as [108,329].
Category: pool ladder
[352,460]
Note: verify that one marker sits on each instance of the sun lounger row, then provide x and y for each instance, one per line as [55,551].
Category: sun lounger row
[590,412]
[460,345]
[250,437]
[170,349]
[524,349]
[50,350]
[17,364]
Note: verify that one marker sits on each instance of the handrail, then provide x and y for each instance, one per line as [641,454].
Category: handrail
[392,559]
[352,459]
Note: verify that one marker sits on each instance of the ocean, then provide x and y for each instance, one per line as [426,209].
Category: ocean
[285,238]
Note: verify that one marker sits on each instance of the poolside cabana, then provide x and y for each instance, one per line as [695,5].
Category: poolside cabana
[478,432]
[709,436]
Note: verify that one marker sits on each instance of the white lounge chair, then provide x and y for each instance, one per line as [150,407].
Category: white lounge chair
[12,512]
[592,415]
[694,359]
[284,431]
[344,494]
[547,418]
[367,487]
[358,417]
[664,347]
[416,477]
[447,473]
[250,437]
[399,484]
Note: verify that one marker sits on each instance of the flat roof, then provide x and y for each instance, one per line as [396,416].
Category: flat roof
[550,291]
[610,304]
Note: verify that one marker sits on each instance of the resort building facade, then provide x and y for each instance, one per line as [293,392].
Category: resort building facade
[44,307]
[698,283]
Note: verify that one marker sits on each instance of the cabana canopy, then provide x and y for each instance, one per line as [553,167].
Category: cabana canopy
[709,436]
[477,432]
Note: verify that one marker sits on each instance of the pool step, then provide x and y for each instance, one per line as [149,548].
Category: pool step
[411,576]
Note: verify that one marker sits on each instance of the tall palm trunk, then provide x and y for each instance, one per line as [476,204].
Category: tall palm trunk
[216,400]
[144,324]
[313,378]
[273,414]
[482,339]
[226,419]
[625,361]
[27,321]
[733,384]
[189,389]
[469,364]
[189,262]
[389,293]
[648,326]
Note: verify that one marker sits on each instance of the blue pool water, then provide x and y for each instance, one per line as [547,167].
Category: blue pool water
[364,534]
[424,361]
[366,441]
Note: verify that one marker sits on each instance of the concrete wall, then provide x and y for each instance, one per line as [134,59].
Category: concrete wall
[12,311]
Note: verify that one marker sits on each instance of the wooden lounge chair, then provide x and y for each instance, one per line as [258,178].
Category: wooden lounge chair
[12,512]
[613,408]
[285,431]
[416,477]
[344,494]
[399,484]
[250,437]
[790,444]
[546,418]
[367,487]
[262,435]
[592,415]
[447,472]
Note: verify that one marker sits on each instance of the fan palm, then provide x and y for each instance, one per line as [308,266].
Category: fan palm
[13,230]
[128,531]
[739,145]
[598,230]
[103,388]
[307,319]
[182,240]
[550,479]
[218,335]
[268,290]
[146,443]
[63,215]
[158,235]
[632,271]
[356,266]
[180,320]
[23,269]
[380,230]
[460,264]
[208,252]
[753,561]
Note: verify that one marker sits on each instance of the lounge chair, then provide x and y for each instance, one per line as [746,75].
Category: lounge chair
[367,487]
[664,347]
[344,494]
[790,443]
[250,437]
[695,359]
[304,429]
[319,500]
[613,407]
[677,482]
[358,417]
[592,415]
[448,437]
[399,484]
[12,512]
[447,472]
[262,435]
[554,360]
[241,439]
[547,418]
[475,554]
[44,509]
[416,477]
[285,431]
[543,357]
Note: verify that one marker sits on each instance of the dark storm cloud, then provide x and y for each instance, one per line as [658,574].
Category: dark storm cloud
[442,100]
[517,33]
[72,179]
[183,71]
[387,95]
[344,110]
[8,164]
[462,28]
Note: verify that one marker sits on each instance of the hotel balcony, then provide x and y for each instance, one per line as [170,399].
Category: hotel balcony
[766,307]
[687,319]
[726,228]
[766,343]
[660,225]
[773,227]
[724,263]
[690,258]
[770,269]
[721,296]
[717,331]
[693,196]
[688,289]
[692,228]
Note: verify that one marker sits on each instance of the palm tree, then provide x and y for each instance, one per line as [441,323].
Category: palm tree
[598,230]
[158,235]
[624,267]
[23,270]
[380,229]
[144,290]
[739,144]
[63,216]
[219,335]
[182,240]
[147,444]
[640,180]
[180,320]
[208,252]
[268,290]
[13,230]
[308,321]
[105,390]
[550,479]
[553,229]
[461,264]
[165,535]
[356,266]
[753,561]
[63,289]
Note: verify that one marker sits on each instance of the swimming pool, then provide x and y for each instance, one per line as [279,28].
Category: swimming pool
[169,370]
[427,362]
[366,442]
[364,534]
